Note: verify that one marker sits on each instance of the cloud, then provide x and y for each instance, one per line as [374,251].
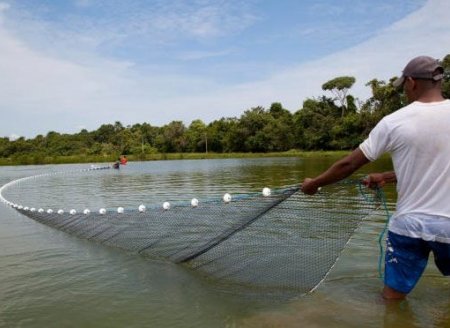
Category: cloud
[44,90]
[41,90]
[45,93]
[203,19]
[425,31]
[13,137]
[83,3]
[197,55]
[381,57]
[4,6]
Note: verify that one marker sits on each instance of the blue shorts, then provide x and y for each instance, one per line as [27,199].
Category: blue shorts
[406,259]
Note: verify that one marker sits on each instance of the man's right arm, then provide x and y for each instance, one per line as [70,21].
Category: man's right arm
[338,171]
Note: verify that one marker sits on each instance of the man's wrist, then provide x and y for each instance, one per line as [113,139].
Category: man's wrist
[389,177]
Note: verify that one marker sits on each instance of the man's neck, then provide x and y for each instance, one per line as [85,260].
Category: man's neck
[430,96]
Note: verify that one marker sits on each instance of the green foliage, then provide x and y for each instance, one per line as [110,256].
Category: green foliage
[340,83]
[340,86]
[314,122]
[385,100]
[446,82]
[197,136]
[321,124]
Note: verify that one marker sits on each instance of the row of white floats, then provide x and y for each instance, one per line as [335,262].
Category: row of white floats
[166,205]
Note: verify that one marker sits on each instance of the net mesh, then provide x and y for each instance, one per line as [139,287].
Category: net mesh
[285,243]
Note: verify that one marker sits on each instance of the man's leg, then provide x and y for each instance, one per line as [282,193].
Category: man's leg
[405,261]
[391,294]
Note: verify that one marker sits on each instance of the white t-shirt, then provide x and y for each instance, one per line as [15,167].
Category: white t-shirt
[418,138]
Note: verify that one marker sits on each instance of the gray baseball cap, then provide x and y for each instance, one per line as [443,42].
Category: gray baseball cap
[422,67]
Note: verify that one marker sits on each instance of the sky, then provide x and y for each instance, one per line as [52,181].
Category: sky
[77,64]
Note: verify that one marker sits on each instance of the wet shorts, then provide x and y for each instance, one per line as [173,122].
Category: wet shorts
[406,259]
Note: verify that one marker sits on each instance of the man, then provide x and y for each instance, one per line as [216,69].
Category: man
[418,138]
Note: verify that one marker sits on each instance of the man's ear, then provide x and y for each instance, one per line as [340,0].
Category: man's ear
[412,82]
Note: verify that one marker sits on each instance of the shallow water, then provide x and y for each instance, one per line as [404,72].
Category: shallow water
[51,279]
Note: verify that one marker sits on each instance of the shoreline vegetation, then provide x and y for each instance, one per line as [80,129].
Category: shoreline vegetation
[93,159]
[322,126]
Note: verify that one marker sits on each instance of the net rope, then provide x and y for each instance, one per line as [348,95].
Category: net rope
[282,243]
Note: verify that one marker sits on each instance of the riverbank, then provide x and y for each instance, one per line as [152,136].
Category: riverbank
[75,159]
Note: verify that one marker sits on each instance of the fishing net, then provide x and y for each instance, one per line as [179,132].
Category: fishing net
[282,242]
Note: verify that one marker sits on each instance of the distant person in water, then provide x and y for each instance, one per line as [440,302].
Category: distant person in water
[123,160]
[418,138]
[116,165]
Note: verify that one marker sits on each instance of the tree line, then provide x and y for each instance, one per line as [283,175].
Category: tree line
[336,121]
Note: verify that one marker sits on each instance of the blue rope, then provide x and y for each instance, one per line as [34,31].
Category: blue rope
[382,196]
[379,194]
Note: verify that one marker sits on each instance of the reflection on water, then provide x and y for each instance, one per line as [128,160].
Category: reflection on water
[50,279]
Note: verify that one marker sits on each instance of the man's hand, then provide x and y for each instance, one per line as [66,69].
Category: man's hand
[309,186]
[375,180]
